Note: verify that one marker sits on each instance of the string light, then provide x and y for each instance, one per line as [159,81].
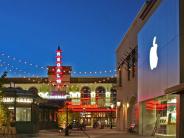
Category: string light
[25,62]
[15,70]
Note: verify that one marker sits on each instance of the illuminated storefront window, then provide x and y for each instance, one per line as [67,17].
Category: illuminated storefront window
[160,115]
[107,99]
[23,114]
[113,96]
[100,96]
[93,98]
[85,95]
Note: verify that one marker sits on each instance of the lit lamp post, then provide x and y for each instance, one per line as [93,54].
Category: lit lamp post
[67,128]
[84,115]
[84,118]
[127,105]
[112,106]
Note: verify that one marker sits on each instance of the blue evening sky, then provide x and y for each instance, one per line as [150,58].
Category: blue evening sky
[88,31]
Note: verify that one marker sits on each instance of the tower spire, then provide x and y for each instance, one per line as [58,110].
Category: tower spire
[59,47]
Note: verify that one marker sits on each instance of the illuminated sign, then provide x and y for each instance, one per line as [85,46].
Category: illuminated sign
[153,54]
[8,99]
[46,95]
[18,100]
[58,67]
[24,100]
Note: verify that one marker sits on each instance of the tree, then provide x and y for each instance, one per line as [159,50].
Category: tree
[62,119]
[3,109]
[3,114]
[3,76]
[73,88]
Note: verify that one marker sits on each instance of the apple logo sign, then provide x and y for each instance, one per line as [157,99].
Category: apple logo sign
[153,57]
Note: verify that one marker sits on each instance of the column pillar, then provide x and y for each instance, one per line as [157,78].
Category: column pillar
[126,118]
[117,120]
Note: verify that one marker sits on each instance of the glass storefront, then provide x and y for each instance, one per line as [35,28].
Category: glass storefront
[23,114]
[159,116]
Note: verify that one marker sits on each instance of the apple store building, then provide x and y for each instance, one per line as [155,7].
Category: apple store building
[161,71]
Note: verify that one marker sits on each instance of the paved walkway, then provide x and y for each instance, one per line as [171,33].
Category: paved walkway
[111,133]
[89,133]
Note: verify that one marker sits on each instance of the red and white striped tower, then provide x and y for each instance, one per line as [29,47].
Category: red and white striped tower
[59,72]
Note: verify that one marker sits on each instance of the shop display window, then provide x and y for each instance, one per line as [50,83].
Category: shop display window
[160,115]
[23,114]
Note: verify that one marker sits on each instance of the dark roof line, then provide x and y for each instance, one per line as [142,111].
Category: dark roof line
[72,80]
[149,6]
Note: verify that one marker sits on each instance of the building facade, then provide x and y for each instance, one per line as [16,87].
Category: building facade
[159,68]
[21,111]
[90,98]
[158,37]
[127,67]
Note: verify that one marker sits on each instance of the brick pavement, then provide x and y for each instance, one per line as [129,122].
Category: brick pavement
[89,133]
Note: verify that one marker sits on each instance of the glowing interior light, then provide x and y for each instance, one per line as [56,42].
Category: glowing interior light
[75,94]
[11,108]
[93,94]
[107,94]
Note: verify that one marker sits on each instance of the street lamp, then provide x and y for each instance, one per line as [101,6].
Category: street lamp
[67,127]
[84,114]
[112,106]
[128,105]
[84,118]
[118,104]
